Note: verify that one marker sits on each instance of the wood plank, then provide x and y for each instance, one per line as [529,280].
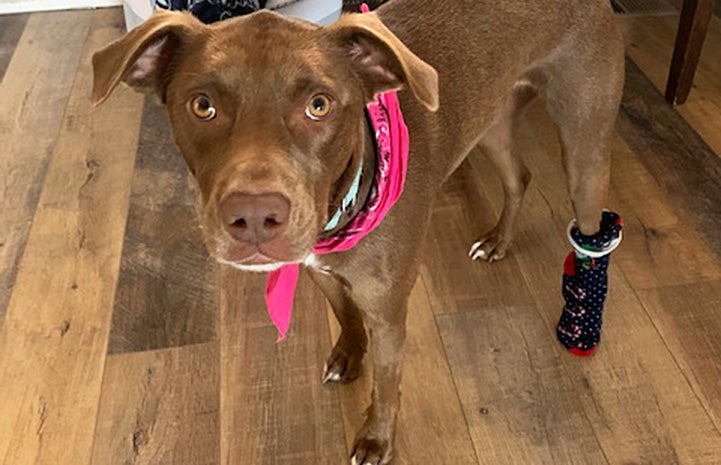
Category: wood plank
[274,409]
[31,123]
[689,319]
[53,341]
[661,140]
[637,398]
[160,407]
[503,381]
[650,43]
[432,427]
[521,406]
[656,256]
[167,292]
[643,403]
[11,28]
[660,249]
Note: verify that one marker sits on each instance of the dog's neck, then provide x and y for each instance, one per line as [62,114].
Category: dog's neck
[366,150]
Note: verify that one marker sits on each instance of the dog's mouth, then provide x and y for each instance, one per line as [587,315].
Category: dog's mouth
[257,260]
[260,258]
[258,263]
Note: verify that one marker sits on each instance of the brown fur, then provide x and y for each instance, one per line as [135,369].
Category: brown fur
[468,67]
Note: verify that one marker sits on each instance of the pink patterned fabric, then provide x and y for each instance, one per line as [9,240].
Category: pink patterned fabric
[392,143]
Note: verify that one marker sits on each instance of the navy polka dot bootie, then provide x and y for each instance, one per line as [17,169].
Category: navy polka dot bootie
[585,285]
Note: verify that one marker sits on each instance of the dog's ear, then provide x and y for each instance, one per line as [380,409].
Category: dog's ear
[382,61]
[142,57]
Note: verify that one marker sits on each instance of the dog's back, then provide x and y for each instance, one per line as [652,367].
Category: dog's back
[481,48]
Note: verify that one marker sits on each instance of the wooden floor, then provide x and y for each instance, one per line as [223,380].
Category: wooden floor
[117,347]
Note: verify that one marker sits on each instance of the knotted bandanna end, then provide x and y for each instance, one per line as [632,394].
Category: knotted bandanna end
[585,285]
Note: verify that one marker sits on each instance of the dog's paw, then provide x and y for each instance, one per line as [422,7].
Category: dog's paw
[369,451]
[343,365]
[490,247]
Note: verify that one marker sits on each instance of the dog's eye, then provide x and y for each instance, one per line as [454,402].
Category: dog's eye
[202,107]
[319,107]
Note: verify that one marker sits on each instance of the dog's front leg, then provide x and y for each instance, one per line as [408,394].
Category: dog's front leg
[385,318]
[344,363]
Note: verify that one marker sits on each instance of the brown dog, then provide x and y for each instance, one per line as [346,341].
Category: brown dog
[268,113]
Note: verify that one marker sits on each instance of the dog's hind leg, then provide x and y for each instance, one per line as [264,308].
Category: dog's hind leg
[345,361]
[583,97]
[497,144]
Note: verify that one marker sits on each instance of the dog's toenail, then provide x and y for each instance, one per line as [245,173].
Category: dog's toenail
[329,376]
[474,248]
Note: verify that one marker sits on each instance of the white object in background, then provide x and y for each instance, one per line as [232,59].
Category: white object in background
[322,12]
[137,11]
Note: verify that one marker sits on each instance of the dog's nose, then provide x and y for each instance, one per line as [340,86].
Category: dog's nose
[254,218]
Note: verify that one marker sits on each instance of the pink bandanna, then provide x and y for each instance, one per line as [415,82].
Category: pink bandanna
[391,135]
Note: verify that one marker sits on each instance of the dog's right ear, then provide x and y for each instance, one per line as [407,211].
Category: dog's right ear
[142,57]
[382,61]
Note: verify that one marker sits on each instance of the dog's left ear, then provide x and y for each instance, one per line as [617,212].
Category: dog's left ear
[382,61]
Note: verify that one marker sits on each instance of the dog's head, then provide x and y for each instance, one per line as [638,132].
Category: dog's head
[268,113]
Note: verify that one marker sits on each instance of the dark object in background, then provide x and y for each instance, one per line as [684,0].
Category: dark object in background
[210,11]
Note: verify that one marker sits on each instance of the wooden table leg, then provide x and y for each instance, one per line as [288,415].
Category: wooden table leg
[695,17]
